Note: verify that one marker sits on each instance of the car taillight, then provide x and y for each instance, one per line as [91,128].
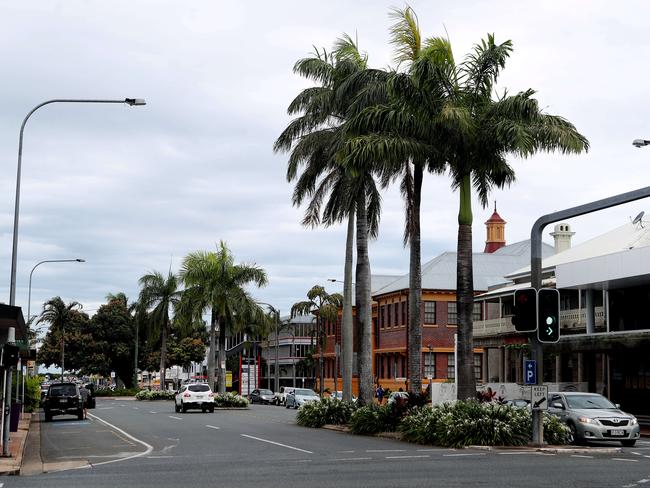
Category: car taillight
[186,395]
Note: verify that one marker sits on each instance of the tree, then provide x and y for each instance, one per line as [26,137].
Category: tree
[315,139]
[157,296]
[323,306]
[214,282]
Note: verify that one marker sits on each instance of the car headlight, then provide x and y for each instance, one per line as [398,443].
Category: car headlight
[634,421]
[587,420]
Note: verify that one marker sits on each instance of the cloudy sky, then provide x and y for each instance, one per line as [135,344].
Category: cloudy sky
[134,189]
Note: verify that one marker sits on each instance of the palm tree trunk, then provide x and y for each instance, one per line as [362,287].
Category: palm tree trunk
[347,324]
[415,288]
[211,348]
[163,354]
[364,306]
[466,382]
[222,357]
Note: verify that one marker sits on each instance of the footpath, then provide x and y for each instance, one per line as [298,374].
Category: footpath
[17,440]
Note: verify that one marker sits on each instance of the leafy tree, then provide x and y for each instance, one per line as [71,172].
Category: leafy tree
[214,282]
[158,295]
[325,307]
[183,352]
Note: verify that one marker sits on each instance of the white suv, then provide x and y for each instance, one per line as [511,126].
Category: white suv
[194,395]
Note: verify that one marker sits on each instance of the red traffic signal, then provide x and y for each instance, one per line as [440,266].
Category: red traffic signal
[525,310]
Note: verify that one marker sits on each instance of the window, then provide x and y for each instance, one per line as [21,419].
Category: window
[452,313]
[429,364]
[429,312]
[390,315]
[478,370]
[404,314]
[477,312]
[451,366]
[380,317]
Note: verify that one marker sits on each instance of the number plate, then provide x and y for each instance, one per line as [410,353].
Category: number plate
[617,432]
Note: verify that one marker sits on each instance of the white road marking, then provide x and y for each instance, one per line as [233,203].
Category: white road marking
[126,434]
[176,418]
[468,454]
[408,456]
[636,453]
[628,460]
[630,485]
[276,443]
[213,427]
[385,450]
[346,452]
[353,459]
[644,480]
[516,453]
[135,408]
[427,450]
[581,456]
[102,408]
[151,411]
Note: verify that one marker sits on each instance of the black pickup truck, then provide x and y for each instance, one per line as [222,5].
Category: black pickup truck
[63,399]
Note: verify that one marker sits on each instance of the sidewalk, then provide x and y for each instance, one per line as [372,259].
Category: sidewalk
[11,465]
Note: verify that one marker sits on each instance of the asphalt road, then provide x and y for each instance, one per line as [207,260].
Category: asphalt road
[151,446]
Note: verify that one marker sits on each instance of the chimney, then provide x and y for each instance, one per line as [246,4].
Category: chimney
[562,235]
[495,232]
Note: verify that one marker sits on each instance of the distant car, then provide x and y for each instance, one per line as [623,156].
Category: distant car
[592,417]
[63,399]
[338,395]
[397,394]
[280,398]
[194,395]
[261,396]
[518,403]
[300,396]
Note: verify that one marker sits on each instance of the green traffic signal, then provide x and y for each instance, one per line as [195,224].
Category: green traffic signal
[548,311]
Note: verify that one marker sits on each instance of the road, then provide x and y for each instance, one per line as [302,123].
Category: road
[146,444]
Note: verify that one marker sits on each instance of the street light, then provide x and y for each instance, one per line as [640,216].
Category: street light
[29,296]
[11,332]
[640,142]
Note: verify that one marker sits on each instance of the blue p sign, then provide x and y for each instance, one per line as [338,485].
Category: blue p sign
[530,372]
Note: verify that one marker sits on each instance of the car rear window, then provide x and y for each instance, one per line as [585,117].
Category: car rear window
[198,388]
[266,392]
[62,390]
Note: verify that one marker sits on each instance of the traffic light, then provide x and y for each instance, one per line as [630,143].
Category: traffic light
[548,307]
[525,316]
[9,356]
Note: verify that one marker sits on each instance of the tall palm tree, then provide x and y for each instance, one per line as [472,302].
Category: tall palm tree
[214,282]
[58,314]
[159,295]
[315,138]
[324,306]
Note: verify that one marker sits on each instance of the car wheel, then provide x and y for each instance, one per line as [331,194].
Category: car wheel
[286,405]
[183,408]
[203,410]
[48,417]
[574,435]
[628,442]
[177,409]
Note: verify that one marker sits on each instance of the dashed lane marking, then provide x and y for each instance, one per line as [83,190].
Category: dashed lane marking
[276,443]
[353,459]
[346,452]
[151,411]
[627,460]
[176,418]
[213,427]
[644,480]
[408,456]
[516,453]
[385,450]
[581,456]
[467,454]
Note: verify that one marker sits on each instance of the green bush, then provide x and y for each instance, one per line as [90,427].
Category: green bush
[325,411]
[32,393]
[230,400]
[118,392]
[372,419]
[155,395]
[469,422]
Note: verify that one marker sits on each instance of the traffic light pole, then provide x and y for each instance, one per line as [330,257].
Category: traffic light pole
[536,273]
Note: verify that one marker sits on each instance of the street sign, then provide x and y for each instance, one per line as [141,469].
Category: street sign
[539,397]
[530,372]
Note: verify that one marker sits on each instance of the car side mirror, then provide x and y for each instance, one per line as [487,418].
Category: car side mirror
[617,405]
[557,405]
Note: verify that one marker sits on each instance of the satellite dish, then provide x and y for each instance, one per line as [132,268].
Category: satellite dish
[637,219]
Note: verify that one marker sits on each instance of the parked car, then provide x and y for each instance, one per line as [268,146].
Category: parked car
[397,394]
[63,399]
[338,395]
[518,403]
[592,417]
[300,396]
[280,397]
[261,396]
[194,395]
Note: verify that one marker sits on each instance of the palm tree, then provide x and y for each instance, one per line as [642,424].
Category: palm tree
[315,139]
[323,306]
[157,296]
[214,282]
[58,314]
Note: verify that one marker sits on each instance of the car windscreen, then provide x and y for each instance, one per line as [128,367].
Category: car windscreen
[588,401]
[198,388]
[266,392]
[305,392]
[62,390]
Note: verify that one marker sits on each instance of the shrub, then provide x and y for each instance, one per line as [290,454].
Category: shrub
[470,422]
[230,400]
[118,392]
[372,419]
[325,411]
[32,393]
[154,395]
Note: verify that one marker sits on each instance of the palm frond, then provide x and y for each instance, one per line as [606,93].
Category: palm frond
[405,35]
